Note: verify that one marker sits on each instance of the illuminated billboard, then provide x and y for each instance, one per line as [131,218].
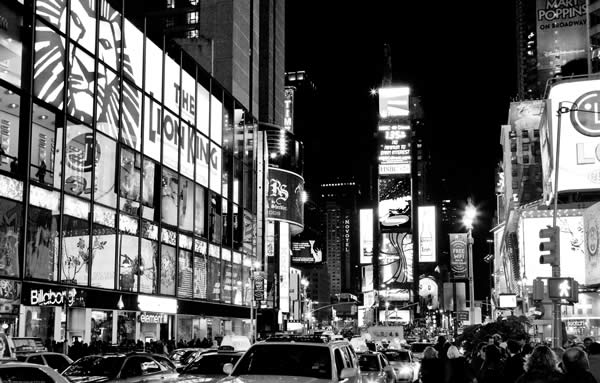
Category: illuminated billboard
[458,255]
[579,134]
[394,149]
[367,278]
[561,36]
[427,234]
[591,222]
[394,102]
[395,258]
[429,293]
[395,203]
[284,197]
[306,252]
[572,246]
[366,236]
[288,117]
[459,290]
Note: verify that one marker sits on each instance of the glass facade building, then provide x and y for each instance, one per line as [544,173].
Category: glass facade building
[127,182]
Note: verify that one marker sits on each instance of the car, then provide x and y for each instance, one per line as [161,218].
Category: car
[28,344]
[417,349]
[131,367]
[59,362]
[182,356]
[297,359]
[407,369]
[375,368]
[209,365]
[29,372]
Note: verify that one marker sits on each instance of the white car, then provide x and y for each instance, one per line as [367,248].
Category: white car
[29,372]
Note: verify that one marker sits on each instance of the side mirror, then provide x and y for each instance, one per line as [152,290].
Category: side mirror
[348,372]
[228,368]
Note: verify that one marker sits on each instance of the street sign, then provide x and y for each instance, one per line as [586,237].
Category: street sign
[462,316]
[259,287]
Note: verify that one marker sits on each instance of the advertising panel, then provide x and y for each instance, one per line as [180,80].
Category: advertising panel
[591,230]
[458,255]
[288,117]
[306,252]
[427,234]
[572,246]
[561,36]
[284,267]
[284,197]
[579,136]
[449,294]
[393,101]
[395,203]
[10,45]
[366,236]
[367,278]
[428,293]
[394,148]
[396,258]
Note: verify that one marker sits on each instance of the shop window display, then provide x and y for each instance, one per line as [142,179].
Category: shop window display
[185,269]
[200,211]
[39,321]
[126,332]
[9,130]
[49,69]
[11,214]
[148,192]
[148,266]
[46,146]
[169,197]
[214,274]
[167,270]
[227,276]
[41,260]
[130,178]
[186,204]
[103,255]
[76,250]
[214,219]
[101,326]
[129,265]
[200,264]
[11,46]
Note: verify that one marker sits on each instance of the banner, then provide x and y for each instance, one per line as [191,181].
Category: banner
[591,229]
[284,197]
[366,236]
[395,258]
[458,255]
[395,203]
[427,234]
[306,252]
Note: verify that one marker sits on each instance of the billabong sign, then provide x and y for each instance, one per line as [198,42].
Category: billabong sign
[39,297]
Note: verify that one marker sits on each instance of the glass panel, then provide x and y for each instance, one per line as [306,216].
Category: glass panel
[203,107]
[152,122]
[184,282]
[188,98]
[11,188]
[214,276]
[149,266]
[49,68]
[9,129]
[238,175]
[200,211]
[200,273]
[101,326]
[148,189]
[214,219]
[75,244]
[154,70]
[129,270]
[226,240]
[249,232]
[10,41]
[104,243]
[172,81]
[238,130]
[169,197]
[238,232]
[134,53]
[215,168]
[80,158]
[105,175]
[42,235]
[216,118]
[131,116]
[236,279]
[167,270]
[170,129]
[203,158]
[186,206]
[80,103]
[226,273]
[53,12]
[83,23]
[108,102]
[109,35]
[12,219]
[188,150]
[130,178]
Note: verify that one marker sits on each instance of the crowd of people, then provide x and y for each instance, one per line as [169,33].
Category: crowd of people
[511,361]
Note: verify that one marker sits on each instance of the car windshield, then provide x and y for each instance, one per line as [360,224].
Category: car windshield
[286,359]
[211,364]
[368,362]
[181,354]
[419,347]
[397,356]
[96,366]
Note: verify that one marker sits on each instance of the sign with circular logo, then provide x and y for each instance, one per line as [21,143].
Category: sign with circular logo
[586,116]
[592,239]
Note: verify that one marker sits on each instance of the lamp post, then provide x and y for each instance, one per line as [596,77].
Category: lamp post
[303,303]
[468,219]
[253,280]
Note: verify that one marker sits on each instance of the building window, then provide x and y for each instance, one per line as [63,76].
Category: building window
[192,17]
[170,3]
[193,34]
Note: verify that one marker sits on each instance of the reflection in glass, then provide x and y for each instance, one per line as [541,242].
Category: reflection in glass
[44,145]
[167,270]
[214,218]
[104,243]
[184,282]
[75,251]
[9,129]
[81,156]
[105,171]
[129,185]
[169,196]
[200,211]
[10,223]
[214,279]
[48,68]
[10,44]
[42,235]
[128,262]
[186,207]
[148,267]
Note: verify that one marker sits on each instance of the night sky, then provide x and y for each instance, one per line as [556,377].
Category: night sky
[459,57]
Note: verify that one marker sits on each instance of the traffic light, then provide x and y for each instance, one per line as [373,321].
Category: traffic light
[538,290]
[563,288]
[552,245]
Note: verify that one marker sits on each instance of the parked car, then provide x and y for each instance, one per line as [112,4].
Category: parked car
[59,362]
[29,372]
[296,359]
[132,367]
[407,369]
[28,344]
[182,356]
[209,365]
[375,368]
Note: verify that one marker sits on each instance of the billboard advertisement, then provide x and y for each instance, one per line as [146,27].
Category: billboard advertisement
[366,236]
[591,230]
[395,203]
[306,252]
[367,278]
[394,101]
[394,148]
[427,234]
[458,255]
[396,258]
[284,267]
[288,117]
[428,293]
[284,197]
[561,36]
[572,247]
[579,134]
[450,293]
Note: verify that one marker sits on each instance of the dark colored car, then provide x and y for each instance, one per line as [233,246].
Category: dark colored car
[127,368]
[209,365]
[55,360]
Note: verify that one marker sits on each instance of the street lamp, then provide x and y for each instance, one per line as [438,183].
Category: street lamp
[256,266]
[468,220]
[304,302]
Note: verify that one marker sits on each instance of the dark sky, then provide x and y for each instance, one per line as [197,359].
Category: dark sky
[458,56]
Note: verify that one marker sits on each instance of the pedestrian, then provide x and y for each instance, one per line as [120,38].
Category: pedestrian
[492,370]
[559,351]
[477,358]
[456,369]
[431,366]
[594,358]
[439,346]
[514,362]
[541,367]
[577,367]
[587,342]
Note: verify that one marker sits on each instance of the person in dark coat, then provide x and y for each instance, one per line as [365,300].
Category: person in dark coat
[431,367]
[477,359]
[541,367]
[456,368]
[492,370]
[577,367]
[515,361]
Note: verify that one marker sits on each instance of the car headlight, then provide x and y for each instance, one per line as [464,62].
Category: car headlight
[405,370]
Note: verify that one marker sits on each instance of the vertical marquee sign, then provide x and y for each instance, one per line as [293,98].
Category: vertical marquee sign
[458,255]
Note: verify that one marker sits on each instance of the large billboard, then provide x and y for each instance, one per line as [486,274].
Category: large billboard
[561,36]
[394,148]
[284,197]
[367,278]
[459,255]
[579,134]
[395,203]
[591,229]
[366,236]
[394,101]
[572,253]
[306,252]
[427,234]
[395,258]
